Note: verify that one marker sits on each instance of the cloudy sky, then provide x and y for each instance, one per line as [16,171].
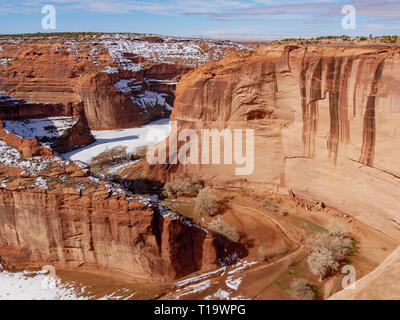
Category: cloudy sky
[216,18]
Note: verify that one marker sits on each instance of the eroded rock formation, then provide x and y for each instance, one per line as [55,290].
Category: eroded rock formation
[17,112]
[53,213]
[68,68]
[326,124]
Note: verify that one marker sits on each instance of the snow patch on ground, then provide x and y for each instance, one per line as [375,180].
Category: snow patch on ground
[187,281]
[6,98]
[123,85]
[37,285]
[240,266]
[11,157]
[132,139]
[115,169]
[191,52]
[233,283]
[4,62]
[33,286]
[110,70]
[44,130]
[151,99]
[167,82]
[194,288]
[41,183]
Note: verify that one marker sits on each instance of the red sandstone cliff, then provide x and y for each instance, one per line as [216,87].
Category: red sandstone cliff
[51,212]
[18,111]
[87,68]
[325,118]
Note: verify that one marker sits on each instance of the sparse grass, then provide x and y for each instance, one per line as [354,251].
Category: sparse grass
[309,225]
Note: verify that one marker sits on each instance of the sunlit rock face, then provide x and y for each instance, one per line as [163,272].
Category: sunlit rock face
[326,124]
[88,68]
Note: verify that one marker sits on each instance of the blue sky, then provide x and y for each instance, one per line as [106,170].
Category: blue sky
[215,18]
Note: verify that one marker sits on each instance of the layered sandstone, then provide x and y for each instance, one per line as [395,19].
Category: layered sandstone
[326,124]
[74,68]
[19,111]
[52,212]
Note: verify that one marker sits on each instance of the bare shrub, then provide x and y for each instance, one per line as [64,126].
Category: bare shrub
[140,153]
[302,289]
[224,229]
[228,197]
[270,205]
[100,163]
[329,250]
[261,255]
[206,202]
[284,213]
[182,187]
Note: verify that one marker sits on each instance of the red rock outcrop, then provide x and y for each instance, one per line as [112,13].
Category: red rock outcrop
[60,217]
[84,68]
[326,124]
[19,110]
[380,284]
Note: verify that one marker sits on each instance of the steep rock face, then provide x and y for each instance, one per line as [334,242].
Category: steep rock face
[326,125]
[380,284]
[136,103]
[87,68]
[58,73]
[18,111]
[61,217]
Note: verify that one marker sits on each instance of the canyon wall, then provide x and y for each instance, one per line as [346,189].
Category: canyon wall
[97,70]
[326,121]
[61,217]
[18,111]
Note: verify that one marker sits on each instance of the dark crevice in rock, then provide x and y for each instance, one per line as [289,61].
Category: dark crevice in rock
[369,126]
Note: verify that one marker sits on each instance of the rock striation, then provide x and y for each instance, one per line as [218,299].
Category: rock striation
[325,118]
[54,212]
[89,68]
[17,113]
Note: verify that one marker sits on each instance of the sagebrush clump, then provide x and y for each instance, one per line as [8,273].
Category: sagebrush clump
[329,251]
[182,187]
[224,229]
[101,163]
[206,202]
[302,289]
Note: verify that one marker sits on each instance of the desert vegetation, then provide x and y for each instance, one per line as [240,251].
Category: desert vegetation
[206,203]
[389,39]
[188,187]
[303,290]
[329,251]
[223,228]
[100,164]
